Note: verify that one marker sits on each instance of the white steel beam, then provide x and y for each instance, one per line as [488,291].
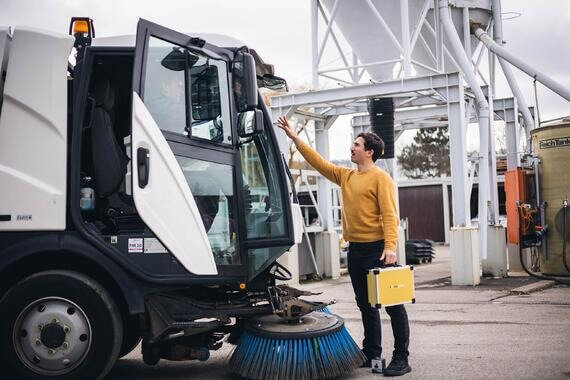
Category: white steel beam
[428,49]
[339,80]
[406,115]
[315,42]
[360,106]
[377,63]
[438,36]
[354,71]
[406,50]
[333,35]
[443,49]
[419,24]
[328,30]
[384,25]
[440,81]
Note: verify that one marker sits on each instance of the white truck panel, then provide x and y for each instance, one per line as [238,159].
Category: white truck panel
[33,132]
[166,203]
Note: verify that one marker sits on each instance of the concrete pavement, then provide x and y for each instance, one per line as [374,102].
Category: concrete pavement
[457,332]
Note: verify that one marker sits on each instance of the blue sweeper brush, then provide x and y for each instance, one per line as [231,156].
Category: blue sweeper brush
[316,346]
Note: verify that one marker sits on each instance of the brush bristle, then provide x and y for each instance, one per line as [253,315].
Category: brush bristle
[321,357]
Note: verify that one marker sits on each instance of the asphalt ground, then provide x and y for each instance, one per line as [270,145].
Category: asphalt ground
[457,332]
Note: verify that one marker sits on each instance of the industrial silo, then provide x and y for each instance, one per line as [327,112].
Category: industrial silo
[372,43]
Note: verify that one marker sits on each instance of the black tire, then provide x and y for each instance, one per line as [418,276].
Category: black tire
[131,336]
[71,302]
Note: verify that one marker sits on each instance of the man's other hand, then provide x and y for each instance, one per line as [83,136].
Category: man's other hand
[389,257]
[286,127]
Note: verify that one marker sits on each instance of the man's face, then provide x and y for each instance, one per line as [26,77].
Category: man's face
[358,154]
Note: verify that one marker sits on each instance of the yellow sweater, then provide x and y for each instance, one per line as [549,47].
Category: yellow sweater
[369,210]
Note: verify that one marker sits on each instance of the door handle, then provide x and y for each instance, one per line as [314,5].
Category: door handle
[143,166]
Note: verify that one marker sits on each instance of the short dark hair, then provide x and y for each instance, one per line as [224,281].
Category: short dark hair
[372,142]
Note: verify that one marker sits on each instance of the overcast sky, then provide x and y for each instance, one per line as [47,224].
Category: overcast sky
[280,32]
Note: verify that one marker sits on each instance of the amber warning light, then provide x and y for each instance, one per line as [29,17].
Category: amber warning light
[82,25]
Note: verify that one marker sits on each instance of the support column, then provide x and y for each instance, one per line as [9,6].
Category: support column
[324,188]
[495,264]
[493,191]
[512,131]
[465,267]
[327,251]
[458,156]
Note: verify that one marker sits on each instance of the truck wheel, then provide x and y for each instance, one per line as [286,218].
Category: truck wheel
[59,324]
[131,336]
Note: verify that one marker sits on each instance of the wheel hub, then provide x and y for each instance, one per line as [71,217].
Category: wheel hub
[52,336]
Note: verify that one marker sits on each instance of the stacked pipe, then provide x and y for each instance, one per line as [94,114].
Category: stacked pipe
[381,111]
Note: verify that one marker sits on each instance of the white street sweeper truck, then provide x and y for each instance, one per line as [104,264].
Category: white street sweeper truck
[143,196]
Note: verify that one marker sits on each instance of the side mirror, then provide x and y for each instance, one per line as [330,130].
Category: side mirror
[245,82]
[178,60]
[250,123]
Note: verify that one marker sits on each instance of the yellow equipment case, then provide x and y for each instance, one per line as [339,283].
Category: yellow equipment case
[391,286]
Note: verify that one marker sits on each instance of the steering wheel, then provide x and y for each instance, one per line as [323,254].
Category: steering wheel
[279,272]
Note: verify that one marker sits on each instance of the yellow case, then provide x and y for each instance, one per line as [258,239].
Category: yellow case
[391,286]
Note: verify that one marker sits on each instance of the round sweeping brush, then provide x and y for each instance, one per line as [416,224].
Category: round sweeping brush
[317,346]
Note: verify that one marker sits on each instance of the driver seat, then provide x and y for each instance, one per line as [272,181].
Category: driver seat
[109,159]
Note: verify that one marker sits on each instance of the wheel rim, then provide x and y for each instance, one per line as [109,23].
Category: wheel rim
[52,336]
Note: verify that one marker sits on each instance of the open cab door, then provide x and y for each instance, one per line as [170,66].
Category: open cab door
[161,193]
[207,175]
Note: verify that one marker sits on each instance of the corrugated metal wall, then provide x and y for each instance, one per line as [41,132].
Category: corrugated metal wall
[423,206]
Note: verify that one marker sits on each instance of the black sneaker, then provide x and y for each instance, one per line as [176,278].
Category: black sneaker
[397,367]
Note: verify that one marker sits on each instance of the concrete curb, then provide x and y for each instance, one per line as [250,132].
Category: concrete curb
[534,287]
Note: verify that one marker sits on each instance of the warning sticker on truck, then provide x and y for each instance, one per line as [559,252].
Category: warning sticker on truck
[136,245]
[153,245]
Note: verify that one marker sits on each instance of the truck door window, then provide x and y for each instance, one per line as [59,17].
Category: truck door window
[186,92]
[260,173]
[212,186]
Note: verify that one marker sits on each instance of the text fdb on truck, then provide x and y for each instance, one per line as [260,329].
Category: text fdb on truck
[143,196]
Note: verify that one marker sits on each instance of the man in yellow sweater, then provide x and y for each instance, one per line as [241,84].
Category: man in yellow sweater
[370,225]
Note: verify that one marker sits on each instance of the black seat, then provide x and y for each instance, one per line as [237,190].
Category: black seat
[109,158]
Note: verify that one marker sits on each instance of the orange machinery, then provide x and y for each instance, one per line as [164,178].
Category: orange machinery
[523,215]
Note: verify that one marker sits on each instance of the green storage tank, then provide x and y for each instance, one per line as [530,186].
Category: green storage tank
[552,145]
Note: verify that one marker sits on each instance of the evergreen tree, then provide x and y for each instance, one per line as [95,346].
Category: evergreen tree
[428,155]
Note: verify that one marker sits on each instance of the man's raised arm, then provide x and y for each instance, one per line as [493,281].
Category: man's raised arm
[330,171]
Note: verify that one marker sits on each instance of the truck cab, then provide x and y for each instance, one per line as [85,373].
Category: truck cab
[142,196]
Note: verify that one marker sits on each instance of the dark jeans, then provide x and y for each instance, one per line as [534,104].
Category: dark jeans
[361,258]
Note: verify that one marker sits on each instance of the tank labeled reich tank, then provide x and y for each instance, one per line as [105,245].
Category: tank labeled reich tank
[552,145]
